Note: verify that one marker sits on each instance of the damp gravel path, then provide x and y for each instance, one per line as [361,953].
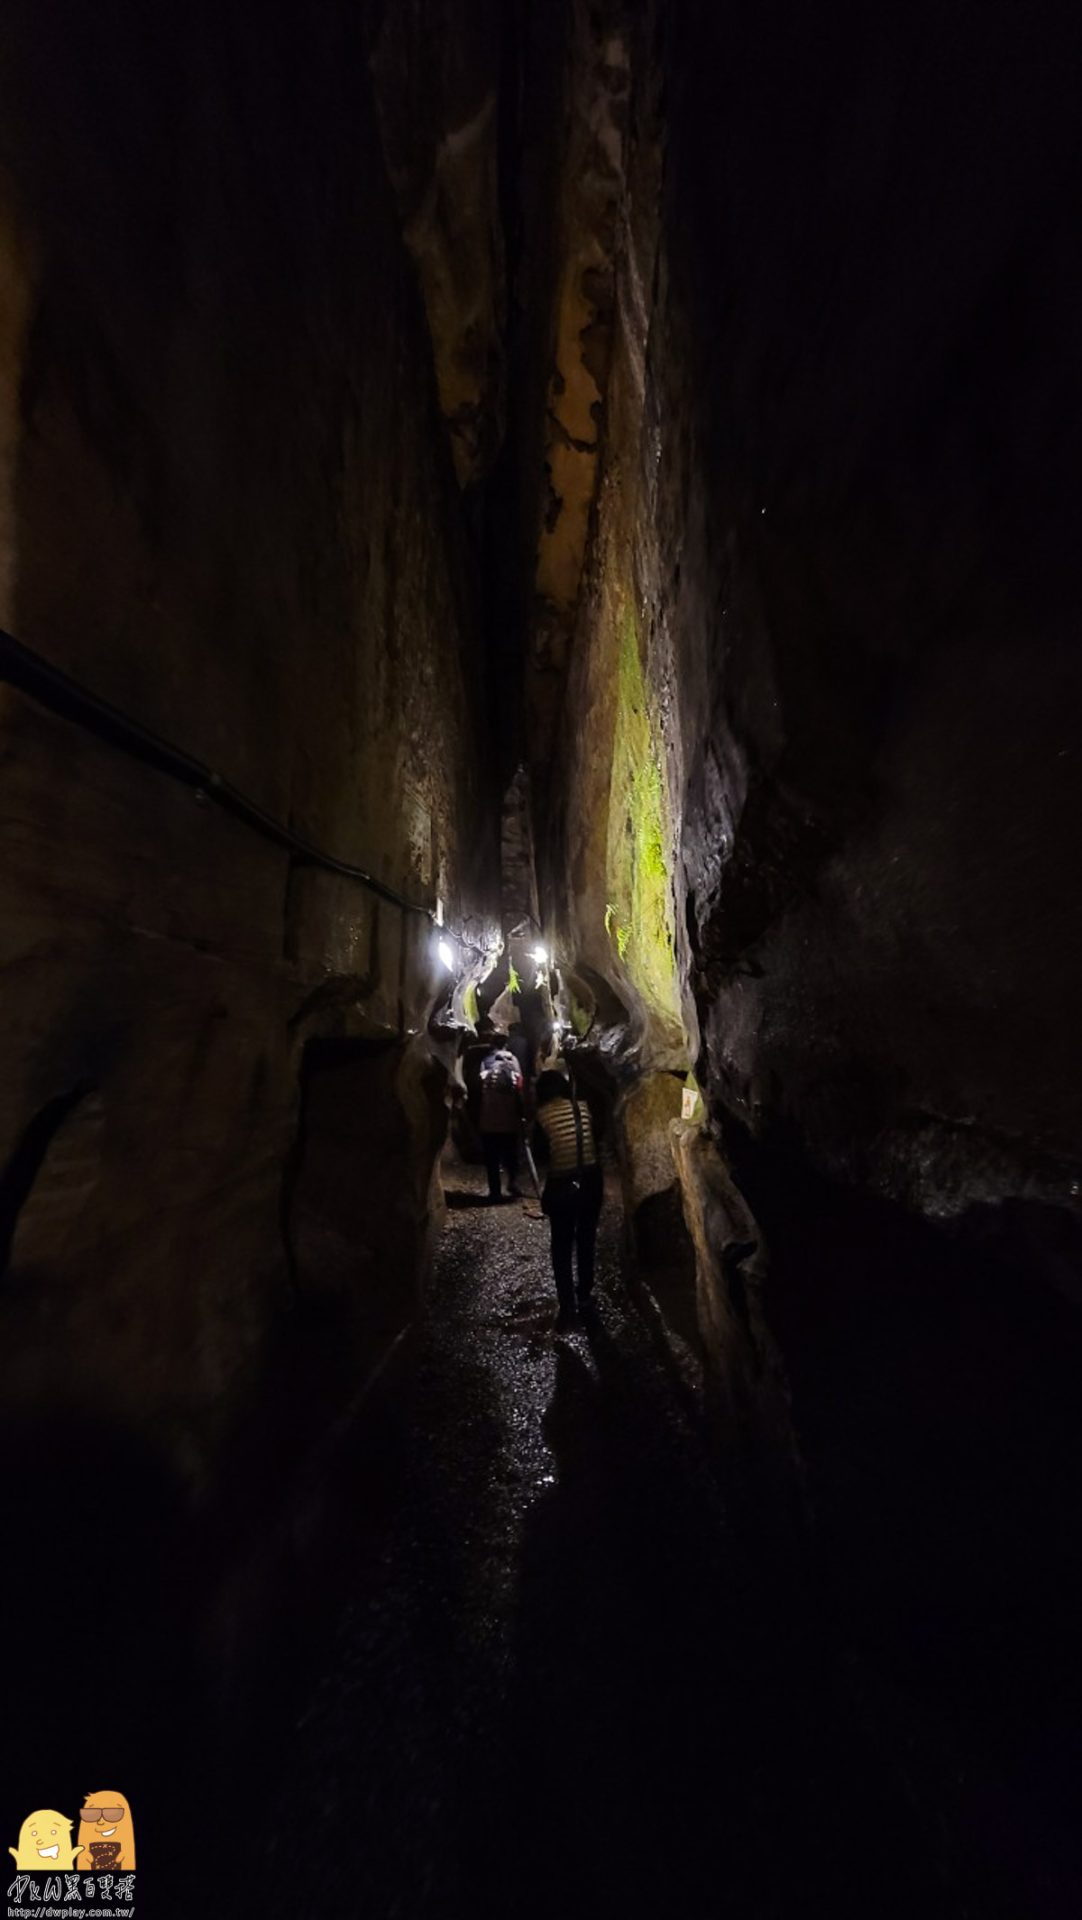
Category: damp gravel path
[551,1683]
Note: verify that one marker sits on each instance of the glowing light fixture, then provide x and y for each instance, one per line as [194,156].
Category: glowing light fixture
[447,954]
[540,954]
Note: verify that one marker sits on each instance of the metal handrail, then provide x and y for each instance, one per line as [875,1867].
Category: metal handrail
[51,687]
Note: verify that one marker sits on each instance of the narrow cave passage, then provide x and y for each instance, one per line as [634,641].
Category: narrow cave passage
[559,512]
[551,1679]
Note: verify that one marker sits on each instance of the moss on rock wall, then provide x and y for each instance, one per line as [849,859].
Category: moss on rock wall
[639,911]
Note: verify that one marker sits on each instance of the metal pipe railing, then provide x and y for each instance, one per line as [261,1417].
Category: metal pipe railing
[51,687]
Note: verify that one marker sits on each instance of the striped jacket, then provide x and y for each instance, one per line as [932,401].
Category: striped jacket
[557,1121]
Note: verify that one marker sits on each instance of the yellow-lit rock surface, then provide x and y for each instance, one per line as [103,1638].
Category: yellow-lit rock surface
[227,510]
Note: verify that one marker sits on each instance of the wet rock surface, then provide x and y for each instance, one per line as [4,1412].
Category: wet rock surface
[226,509]
[549,1680]
[823,806]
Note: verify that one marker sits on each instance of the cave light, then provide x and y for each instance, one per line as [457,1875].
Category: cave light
[446,953]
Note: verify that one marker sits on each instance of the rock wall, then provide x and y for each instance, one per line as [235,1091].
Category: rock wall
[833,580]
[229,510]
[438,66]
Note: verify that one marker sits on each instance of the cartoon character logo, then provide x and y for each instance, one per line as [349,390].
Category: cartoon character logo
[44,1842]
[105,1828]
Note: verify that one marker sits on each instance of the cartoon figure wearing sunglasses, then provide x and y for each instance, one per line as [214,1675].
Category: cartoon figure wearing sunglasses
[105,1829]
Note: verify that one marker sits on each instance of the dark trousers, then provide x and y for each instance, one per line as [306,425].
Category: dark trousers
[501,1150]
[573,1212]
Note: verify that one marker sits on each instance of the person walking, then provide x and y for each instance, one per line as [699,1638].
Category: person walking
[573,1191]
[501,1116]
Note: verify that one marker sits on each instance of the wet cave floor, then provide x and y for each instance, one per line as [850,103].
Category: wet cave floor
[551,1682]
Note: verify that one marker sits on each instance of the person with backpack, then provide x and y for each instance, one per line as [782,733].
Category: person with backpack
[573,1191]
[500,1118]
